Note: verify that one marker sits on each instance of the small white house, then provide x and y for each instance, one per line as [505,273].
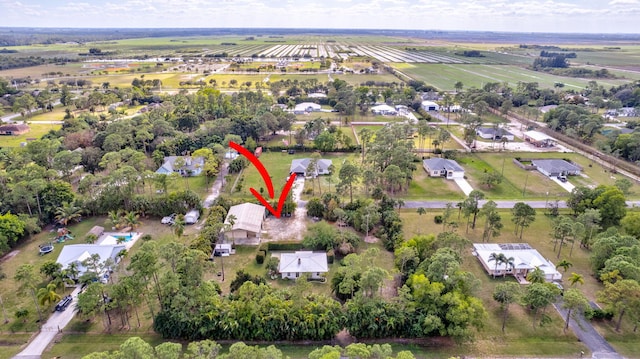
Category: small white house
[442,167]
[306,107]
[293,265]
[429,106]
[384,110]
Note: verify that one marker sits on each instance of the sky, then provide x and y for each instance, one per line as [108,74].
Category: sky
[577,16]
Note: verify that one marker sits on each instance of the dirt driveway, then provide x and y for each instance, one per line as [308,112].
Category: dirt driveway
[288,228]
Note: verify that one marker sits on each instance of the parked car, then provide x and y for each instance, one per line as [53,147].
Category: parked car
[192,216]
[63,303]
[559,286]
[170,219]
[562,178]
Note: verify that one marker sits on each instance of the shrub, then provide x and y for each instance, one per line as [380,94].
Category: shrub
[284,246]
[263,247]
[260,257]
[146,237]
[438,219]
[598,314]
[330,256]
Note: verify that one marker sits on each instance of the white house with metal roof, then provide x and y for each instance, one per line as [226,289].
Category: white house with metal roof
[556,167]
[385,110]
[293,265]
[525,260]
[442,167]
[190,166]
[306,107]
[247,221]
[79,253]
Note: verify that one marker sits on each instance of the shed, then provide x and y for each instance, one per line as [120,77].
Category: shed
[247,220]
[96,231]
[429,106]
[14,129]
[539,139]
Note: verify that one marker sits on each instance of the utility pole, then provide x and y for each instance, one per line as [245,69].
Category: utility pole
[525,184]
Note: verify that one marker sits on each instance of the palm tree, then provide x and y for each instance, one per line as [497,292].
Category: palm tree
[68,213]
[575,278]
[508,262]
[131,219]
[48,295]
[536,276]
[178,225]
[232,221]
[499,258]
[564,264]
[115,219]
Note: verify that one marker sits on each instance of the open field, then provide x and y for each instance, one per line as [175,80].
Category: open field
[444,76]
[37,131]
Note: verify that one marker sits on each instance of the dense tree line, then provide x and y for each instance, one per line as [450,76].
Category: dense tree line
[574,121]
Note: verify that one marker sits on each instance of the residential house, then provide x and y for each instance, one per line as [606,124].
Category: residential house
[299,167]
[14,129]
[245,221]
[306,107]
[293,265]
[495,134]
[384,110]
[539,139]
[79,253]
[429,106]
[556,167]
[442,167]
[525,260]
[190,166]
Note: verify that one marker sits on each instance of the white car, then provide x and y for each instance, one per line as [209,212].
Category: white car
[170,219]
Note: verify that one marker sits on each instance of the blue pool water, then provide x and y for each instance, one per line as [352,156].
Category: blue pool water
[125,239]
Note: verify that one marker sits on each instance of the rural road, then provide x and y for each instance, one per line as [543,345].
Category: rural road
[599,347]
[57,321]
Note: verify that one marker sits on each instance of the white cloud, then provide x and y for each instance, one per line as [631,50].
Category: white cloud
[623,2]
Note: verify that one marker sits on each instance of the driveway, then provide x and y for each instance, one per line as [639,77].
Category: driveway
[48,331]
[464,185]
[566,185]
[599,347]
[288,228]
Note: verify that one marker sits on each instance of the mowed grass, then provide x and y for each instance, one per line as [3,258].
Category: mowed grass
[521,339]
[444,76]
[36,131]
[425,188]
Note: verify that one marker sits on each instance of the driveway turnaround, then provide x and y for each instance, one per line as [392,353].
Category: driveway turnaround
[48,331]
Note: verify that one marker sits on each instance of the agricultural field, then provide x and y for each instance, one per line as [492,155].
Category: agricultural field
[444,76]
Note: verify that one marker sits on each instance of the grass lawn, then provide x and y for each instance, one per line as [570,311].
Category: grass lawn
[425,188]
[37,131]
[474,169]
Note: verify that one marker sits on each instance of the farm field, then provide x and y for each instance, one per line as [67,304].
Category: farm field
[444,76]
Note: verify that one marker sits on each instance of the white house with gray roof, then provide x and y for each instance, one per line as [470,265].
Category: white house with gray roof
[556,167]
[79,253]
[191,166]
[293,265]
[442,167]
[496,134]
[299,167]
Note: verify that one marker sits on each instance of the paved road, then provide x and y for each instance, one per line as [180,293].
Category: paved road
[599,347]
[48,331]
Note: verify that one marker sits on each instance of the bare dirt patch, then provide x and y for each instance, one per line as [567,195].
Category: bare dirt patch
[9,256]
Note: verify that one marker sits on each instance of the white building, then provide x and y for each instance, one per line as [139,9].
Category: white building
[293,265]
[306,107]
[79,253]
[430,106]
[384,110]
[525,260]
[299,167]
[247,222]
[496,134]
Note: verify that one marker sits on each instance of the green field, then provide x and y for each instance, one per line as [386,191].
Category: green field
[36,132]
[444,76]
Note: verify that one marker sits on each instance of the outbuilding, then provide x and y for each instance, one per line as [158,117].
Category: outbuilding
[539,139]
[429,106]
[14,129]
[245,221]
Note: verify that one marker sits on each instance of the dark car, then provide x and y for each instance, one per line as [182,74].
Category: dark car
[63,303]
[562,178]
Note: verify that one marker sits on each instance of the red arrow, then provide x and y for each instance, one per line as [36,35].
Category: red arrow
[283,196]
[256,162]
[267,179]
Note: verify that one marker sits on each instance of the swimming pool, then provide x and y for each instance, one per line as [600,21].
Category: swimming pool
[124,239]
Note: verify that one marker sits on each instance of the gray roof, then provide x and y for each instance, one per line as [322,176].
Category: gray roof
[191,164]
[303,262]
[300,165]
[249,217]
[494,131]
[555,165]
[442,163]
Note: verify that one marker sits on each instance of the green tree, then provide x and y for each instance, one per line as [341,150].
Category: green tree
[48,295]
[575,278]
[538,296]
[505,294]
[573,301]
[11,229]
[620,297]
[67,213]
[470,207]
[498,258]
[321,236]
[28,281]
[522,216]
[349,175]
[137,348]
[493,222]
[491,179]
[536,276]
[564,264]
